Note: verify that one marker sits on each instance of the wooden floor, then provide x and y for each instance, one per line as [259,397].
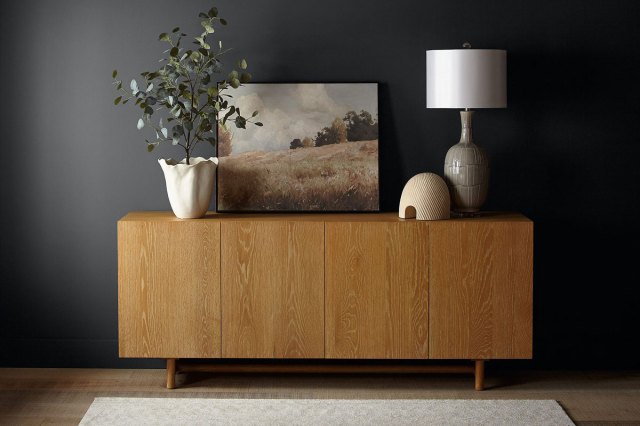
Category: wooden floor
[62,396]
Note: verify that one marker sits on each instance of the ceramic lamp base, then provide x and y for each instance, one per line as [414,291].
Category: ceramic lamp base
[466,171]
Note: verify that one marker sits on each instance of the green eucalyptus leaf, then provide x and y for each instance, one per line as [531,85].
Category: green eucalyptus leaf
[254,113]
[223,21]
[235,83]
[213,12]
[174,52]
[140,124]
[212,91]
[117,100]
[245,77]
[229,113]
[259,124]
[150,147]
[242,64]
[114,74]
[203,15]
[241,123]
[164,37]
[176,29]
[188,125]
[148,110]
[207,26]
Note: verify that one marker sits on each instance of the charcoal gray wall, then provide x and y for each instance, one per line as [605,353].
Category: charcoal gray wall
[564,153]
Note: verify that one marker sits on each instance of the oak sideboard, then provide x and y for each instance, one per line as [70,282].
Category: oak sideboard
[325,287]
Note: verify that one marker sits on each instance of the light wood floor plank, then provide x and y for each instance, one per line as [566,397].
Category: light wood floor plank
[62,396]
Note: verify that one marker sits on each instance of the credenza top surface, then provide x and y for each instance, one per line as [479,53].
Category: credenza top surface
[167,216]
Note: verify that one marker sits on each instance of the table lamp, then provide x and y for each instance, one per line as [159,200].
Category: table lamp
[467,79]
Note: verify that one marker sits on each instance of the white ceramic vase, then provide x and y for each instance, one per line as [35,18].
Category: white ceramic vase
[189,187]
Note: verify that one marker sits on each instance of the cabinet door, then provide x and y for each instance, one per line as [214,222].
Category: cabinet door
[481,289]
[272,289]
[376,290]
[169,289]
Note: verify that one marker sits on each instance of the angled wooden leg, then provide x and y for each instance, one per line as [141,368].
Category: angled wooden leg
[171,373]
[479,374]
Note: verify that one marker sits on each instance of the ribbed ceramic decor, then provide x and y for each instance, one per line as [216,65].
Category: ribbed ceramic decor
[425,197]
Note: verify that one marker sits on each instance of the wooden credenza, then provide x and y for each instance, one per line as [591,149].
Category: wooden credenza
[330,286]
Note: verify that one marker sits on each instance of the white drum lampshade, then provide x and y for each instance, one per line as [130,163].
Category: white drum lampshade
[467,79]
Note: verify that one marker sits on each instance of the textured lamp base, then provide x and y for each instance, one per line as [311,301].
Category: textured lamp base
[466,171]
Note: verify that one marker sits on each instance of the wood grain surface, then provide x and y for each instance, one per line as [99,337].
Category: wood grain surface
[164,216]
[481,290]
[169,289]
[273,289]
[376,290]
[61,396]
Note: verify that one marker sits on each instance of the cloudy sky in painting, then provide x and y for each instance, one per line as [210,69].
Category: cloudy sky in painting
[291,111]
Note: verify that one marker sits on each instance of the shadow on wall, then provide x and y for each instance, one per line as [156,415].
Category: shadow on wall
[583,301]
[391,180]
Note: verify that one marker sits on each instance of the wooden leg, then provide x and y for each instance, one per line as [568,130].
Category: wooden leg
[479,374]
[171,373]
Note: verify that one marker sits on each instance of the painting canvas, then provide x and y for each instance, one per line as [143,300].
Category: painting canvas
[316,151]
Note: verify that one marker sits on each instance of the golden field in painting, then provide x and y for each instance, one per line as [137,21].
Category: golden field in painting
[336,177]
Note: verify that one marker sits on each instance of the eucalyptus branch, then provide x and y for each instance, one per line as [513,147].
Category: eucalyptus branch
[179,87]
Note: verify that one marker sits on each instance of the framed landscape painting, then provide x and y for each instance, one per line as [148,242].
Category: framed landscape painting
[316,151]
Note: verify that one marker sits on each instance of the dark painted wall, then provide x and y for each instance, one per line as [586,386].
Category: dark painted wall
[564,152]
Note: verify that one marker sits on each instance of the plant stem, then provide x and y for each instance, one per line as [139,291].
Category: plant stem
[188,147]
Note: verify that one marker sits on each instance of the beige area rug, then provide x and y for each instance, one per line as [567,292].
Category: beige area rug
[290,412]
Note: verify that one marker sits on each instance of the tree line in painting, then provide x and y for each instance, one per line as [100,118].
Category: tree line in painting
[352,127]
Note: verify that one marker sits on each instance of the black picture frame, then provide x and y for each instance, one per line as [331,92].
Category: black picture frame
[328,176]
